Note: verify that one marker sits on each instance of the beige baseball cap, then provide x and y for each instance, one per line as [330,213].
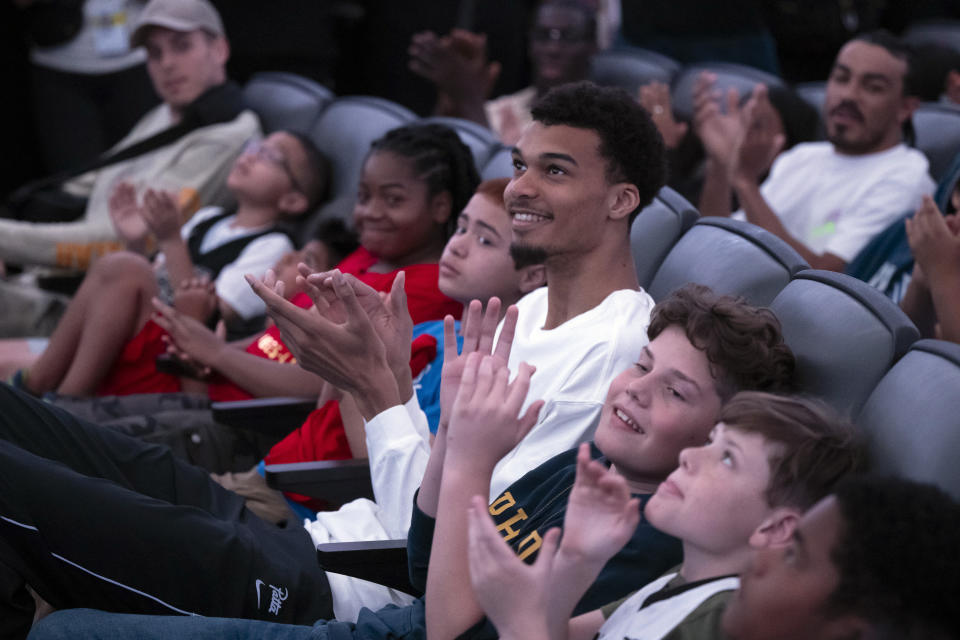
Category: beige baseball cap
[179,15]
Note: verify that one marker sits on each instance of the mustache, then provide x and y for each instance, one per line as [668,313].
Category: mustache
[847,105]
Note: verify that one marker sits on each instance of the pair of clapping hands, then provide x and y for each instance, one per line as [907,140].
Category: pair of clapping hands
[359,340]
[134,221]
[536,601]
[743,139]
[934,241]
[351,331]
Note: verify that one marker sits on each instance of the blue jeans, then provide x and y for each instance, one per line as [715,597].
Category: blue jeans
[91,624]
[389,623]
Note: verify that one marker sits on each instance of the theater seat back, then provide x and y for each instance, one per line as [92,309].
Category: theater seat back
[731,257]
[482,141]
[345,130]
[286,100]
[911,421]
[656,229]
[844,333]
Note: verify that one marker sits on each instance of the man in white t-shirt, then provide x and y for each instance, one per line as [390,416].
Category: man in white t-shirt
[826,199]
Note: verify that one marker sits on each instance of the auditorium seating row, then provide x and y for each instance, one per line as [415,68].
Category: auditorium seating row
[855,348]
[344,127]
[936,125]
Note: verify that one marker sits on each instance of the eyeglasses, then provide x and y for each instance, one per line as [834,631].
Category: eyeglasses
[256,147]
[566,36]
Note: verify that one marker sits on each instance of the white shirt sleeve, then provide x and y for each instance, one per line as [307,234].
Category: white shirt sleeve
[398,446]
[258,256]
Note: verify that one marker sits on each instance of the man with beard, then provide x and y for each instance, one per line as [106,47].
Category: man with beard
[826,199]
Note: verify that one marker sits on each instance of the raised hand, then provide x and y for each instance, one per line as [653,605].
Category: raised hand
[719,130]
[478,329]
[655,98]
[484,423]
[349,354]
[513,594]
[388,312]
[127,218]
[601,514]
[161,214]
[457,64]
[761,141]
[933,241]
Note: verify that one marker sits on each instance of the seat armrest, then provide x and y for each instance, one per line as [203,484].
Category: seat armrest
[273,416]
[380,561]
[172,365]
[336,481]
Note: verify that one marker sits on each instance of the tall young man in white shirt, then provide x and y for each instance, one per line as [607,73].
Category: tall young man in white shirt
[585,166]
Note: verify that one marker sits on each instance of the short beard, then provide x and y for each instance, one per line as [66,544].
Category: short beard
[861,147]
[525,255]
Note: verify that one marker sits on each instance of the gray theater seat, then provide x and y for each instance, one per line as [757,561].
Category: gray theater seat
[286,100]
[731,257]
[844,333]
[483,143]
[631,68]
[911,421]
[499,165]
[938,135]
[343,132]
[656,229]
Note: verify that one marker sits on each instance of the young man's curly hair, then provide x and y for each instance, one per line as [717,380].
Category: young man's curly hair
[629,141]
[898,558]
[743,343]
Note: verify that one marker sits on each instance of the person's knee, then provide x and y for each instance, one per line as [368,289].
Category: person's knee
[59,625]
[122,265]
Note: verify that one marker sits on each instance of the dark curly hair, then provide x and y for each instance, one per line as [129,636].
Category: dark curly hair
[815,447]
[898,558]
[743,343]
[439,158]
[629,141]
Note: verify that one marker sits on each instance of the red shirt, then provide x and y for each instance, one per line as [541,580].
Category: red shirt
[135,371]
